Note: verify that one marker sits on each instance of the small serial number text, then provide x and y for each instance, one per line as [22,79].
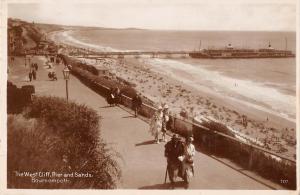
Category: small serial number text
[283,181]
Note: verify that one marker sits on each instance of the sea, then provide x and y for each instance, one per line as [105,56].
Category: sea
[266,84]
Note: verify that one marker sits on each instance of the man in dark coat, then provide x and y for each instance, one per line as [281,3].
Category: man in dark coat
[36,66]
[34,74]
[30,76]
[173,150]
[136,104]
[111,97]
[117,95]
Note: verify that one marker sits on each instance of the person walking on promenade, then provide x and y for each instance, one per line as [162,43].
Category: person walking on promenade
[117,94]
[156,124]
[34,74]
[173,150]
[30,75]
[188,160]
[57,60]
[111,97]
[36,66]
[165,120]
[136,104]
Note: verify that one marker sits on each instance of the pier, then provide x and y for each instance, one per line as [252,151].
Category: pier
[137,54]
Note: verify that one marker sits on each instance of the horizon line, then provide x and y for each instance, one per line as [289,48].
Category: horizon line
[138,28]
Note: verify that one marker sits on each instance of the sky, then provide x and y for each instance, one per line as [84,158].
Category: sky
[254,15]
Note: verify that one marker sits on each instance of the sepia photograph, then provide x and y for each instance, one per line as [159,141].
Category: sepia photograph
[150,95]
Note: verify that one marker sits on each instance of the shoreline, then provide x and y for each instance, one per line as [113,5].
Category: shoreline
[265,96]
[200,103]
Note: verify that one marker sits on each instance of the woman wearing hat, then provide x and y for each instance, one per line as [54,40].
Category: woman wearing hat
[189,150]
[165,120]
[156,123]
[188,161]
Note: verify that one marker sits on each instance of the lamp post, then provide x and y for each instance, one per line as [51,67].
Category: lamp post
[66,73]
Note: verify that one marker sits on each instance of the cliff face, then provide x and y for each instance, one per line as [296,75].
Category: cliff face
[21,36]
[29,38]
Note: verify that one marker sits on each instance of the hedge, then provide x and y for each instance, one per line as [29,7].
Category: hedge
[72,141]
[18,98]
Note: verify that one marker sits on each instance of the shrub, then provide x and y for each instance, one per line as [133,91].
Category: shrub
[18,98]
[66,118]
[30,149]
[72,141]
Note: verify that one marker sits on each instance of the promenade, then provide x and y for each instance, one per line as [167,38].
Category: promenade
[142,162]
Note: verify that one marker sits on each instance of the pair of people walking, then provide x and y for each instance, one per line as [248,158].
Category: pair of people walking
[158,124]
[32,75]
[180,159]
[34,66]
[114,96]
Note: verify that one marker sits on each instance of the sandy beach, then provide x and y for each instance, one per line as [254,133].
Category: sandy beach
[264,129]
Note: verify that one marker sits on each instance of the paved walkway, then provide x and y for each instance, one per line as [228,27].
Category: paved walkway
[143,164]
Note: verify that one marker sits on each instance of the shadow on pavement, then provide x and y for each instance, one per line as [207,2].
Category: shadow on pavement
[131,116]
[146,143]
[229,163]
[166,186]
[156,186]
[106,106]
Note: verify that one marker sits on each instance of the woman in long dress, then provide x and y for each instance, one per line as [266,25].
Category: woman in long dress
[156,124]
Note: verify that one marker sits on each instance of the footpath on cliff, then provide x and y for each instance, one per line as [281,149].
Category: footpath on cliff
[142,162]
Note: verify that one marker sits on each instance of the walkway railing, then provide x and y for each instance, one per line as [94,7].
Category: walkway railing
[270,165]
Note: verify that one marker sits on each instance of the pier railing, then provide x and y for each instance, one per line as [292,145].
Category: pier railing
[111,53]
[268,164]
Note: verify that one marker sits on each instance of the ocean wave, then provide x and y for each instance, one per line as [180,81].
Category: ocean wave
[68,36]
[247,92]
